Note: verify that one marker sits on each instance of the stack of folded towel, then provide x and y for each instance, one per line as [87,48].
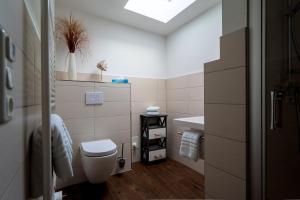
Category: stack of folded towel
[189,146]
[153,110]
[62,154]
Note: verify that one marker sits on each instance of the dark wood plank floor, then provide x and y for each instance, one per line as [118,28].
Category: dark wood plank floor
[167,180]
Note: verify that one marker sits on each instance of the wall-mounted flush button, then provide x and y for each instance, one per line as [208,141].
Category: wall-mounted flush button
[10,49]
[94,98]
[9,78]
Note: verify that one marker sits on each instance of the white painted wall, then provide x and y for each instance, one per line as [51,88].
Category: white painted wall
[129,51]
[133,52]
[194,44]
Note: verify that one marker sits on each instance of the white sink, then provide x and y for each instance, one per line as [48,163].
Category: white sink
[190,122]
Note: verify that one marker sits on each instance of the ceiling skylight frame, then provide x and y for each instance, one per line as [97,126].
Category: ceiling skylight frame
[160,10]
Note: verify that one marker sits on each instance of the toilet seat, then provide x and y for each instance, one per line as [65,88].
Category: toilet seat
[98,148]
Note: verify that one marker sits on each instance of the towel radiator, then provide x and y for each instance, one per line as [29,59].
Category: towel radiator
[48,91]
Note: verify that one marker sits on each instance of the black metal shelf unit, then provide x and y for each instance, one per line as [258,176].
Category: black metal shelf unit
[153,138]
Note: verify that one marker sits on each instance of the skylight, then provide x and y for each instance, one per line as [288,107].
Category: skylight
[161,10]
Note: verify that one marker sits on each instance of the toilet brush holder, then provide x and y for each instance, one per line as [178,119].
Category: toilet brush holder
[121,159]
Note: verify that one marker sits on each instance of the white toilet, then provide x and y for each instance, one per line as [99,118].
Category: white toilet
[98,159]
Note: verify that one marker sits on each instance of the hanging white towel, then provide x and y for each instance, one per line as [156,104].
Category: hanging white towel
[189,146]
[62,154]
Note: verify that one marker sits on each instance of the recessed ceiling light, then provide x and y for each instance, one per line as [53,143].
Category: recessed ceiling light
[161,10]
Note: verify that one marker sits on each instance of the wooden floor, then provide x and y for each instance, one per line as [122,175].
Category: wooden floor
[167,180]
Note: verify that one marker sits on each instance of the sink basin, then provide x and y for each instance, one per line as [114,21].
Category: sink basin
[190,122]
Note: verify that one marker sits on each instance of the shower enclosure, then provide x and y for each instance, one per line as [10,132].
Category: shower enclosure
[274,110]
[274,151]
[282,100]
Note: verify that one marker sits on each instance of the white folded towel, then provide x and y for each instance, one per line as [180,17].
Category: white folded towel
[153,113]
[62,154]
[153,109]
[189,146]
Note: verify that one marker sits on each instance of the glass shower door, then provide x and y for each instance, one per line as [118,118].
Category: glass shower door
[282,99]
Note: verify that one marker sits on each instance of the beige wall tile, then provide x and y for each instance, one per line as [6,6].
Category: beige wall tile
[161,90]
[233,52]
[80,126]
[233,49]
[196,93]
[228,86]
[110,109]
[221,185]
[117,94]
[226,120]
[177,95]
[15,135]
[74,110]
[195,80]
[196,108]
[213,66]
[71,94]
[14,146]
[162,105]
[142,82]
[16,189]
[111,124]
[135,131]
[136,155]
[11,148]
[226,154]
[177,107]
[144,94]
[177,83]
[135,120]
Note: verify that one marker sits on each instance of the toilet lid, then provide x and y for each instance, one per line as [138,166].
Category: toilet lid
[98,148]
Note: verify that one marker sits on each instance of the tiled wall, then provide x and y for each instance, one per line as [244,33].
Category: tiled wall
[94,122]
[225,120]
[15,135]
[178,97]
[144,92]
[185,98]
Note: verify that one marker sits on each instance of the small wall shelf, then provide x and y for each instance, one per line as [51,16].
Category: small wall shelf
[153,138]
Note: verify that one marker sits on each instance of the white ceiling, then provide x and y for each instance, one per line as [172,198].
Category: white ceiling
[114,10]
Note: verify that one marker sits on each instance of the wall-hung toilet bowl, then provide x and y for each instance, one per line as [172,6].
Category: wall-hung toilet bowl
[98,159]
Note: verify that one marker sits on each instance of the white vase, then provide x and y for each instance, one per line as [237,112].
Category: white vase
[71,65]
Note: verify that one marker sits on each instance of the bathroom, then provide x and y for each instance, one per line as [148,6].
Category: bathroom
[164,67]
[162,99]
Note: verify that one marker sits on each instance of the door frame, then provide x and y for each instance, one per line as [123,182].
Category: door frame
[256,109]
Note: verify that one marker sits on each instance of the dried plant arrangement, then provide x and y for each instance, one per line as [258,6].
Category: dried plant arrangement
[73,34]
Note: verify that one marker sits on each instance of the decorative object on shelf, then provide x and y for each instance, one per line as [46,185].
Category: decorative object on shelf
[73,34]
[120,79]
[102,65]
[153,138]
